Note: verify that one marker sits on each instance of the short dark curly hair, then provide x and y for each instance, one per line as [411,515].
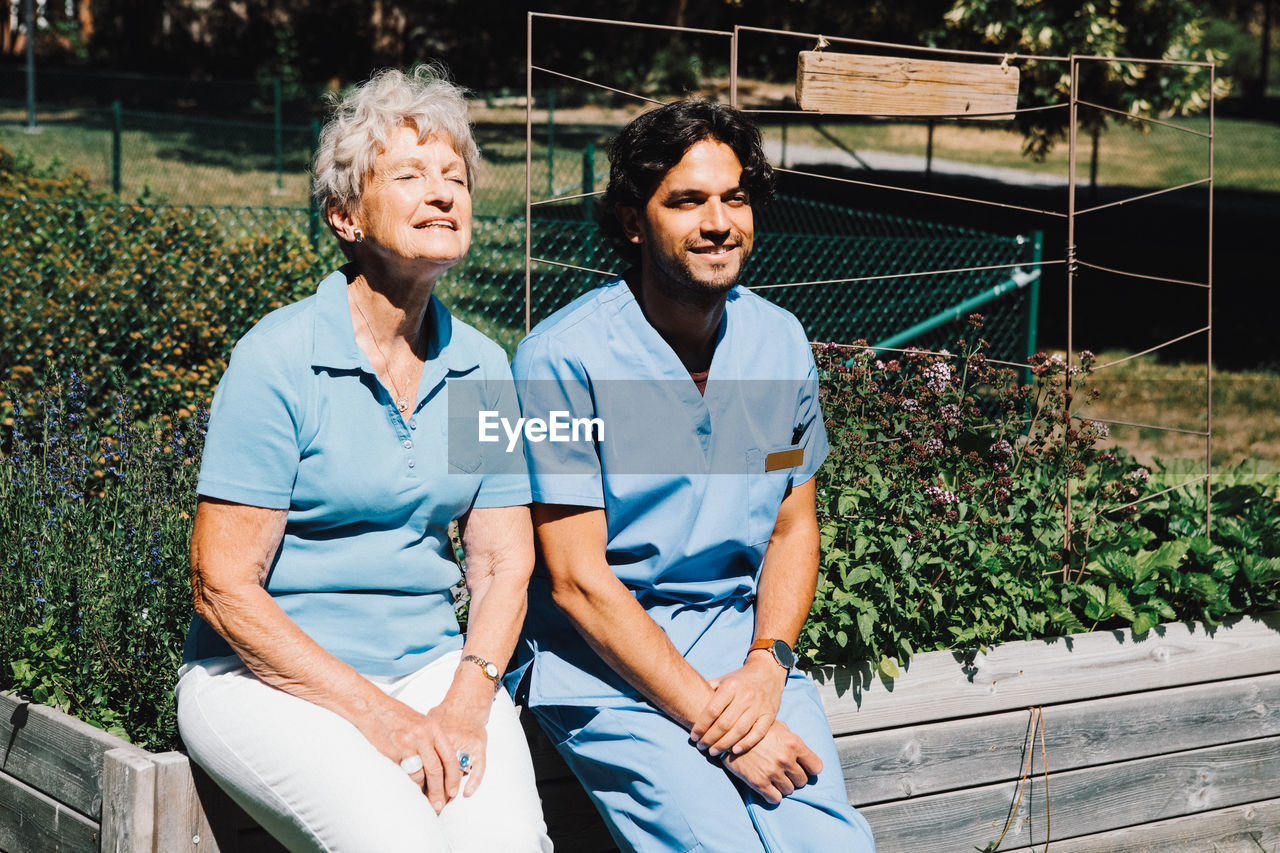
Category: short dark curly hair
[653,143]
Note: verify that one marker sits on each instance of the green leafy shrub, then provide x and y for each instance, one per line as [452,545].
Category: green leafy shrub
[942,517]
[927,544]
[159,294]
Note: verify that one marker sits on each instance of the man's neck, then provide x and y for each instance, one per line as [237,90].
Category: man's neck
[688,322]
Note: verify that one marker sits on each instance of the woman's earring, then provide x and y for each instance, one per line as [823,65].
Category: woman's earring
[359,236]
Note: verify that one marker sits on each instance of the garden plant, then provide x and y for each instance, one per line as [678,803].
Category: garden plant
[943,521]
[940,514]
[940,509]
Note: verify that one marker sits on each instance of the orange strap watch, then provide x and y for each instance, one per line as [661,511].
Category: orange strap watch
[778,648]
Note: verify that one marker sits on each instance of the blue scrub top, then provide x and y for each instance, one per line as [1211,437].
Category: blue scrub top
[301,422]
[691,484]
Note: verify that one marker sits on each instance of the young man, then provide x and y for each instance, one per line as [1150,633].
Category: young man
[679,542]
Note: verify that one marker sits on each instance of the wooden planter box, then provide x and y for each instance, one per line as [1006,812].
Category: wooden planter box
[1168,743]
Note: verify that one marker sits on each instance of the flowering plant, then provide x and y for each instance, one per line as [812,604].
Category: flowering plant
[94,596]
[944,506]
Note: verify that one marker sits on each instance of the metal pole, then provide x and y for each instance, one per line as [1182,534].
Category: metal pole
[733,69]
[528,167]
[1033,301]
[117,148]
[588,179]
[313,220]
[551,142]
[1264,63]
[1093,166]
[29,12]
[1071,281]
[1208,382]
[279,141]
[784,142]
[928,157]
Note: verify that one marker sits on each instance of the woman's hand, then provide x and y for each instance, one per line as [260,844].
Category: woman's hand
[456,725]
[231,550]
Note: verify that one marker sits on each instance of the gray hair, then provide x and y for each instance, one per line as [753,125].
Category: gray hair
[357,130]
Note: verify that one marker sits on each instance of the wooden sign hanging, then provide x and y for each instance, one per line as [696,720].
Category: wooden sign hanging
[893,85]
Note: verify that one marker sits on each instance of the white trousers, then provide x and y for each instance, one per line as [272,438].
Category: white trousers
[316,784]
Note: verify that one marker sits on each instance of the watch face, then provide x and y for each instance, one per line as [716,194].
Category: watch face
[783,653]
[491,670]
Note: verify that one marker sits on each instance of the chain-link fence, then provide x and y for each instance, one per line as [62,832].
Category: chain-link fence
[262,160]
[846,274]
[160,292]
[151,298]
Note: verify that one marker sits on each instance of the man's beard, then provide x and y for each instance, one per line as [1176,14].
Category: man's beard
[678,280]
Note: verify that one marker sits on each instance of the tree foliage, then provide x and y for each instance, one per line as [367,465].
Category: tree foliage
[483,42]
[1140,29]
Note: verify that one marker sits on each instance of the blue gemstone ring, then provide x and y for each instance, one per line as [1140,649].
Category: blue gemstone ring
[464,761]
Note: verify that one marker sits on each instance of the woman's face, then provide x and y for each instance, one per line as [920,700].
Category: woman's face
[416,203]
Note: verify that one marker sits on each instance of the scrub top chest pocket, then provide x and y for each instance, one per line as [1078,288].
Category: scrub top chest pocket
[769,472]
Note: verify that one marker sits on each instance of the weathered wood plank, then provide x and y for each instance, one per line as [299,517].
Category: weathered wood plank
[54,753]
[181,821]
[128,801]
[231,827]
[942,685]
[32,821]
[1251,828]
[926,759]
[896,85]
[1083,802]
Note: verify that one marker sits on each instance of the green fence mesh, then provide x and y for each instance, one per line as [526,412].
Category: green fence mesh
[158,294]
[799,241]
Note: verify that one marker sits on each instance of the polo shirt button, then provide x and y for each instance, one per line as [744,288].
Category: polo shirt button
[408,445]
[411,463]
[413,423]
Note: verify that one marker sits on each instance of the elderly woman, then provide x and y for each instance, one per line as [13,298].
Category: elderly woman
[326,687]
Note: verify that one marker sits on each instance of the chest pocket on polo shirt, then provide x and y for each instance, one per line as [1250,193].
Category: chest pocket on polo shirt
[768,475]
[464,460]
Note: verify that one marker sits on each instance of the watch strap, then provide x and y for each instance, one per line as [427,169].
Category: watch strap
[489,669]
[770,644]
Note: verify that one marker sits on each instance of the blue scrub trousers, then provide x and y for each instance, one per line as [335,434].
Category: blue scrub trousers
[657,792]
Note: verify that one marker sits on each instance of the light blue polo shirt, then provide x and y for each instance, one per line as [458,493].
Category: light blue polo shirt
[691,484]
[301,422]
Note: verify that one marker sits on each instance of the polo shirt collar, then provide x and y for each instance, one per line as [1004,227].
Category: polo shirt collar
[335,337]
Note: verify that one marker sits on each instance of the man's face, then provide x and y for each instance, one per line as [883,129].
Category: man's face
[696,230]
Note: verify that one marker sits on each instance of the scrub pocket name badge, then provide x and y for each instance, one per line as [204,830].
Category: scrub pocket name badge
[781,459]
[792,458]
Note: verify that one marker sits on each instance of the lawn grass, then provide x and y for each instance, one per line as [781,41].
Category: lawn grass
[1146,391]
[186,161]
[1244,151]
[193,162]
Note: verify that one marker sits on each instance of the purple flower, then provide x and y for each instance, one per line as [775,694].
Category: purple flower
[937,377]
[933,446]
[1099,429]
[910,406]
[939,496]
[1002,447]
[951,414]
